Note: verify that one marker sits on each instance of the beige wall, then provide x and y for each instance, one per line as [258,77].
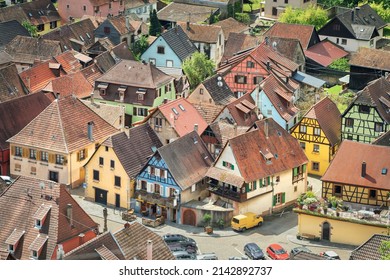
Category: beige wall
[269,4]
[166,132]
[197,98]
[342,230]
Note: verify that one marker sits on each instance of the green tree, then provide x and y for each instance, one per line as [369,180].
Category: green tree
[312,15]
[381,10]
[384,250]
[243,17]
[341,64]
[155,25]
[140,47]
[197,68]
[32,29]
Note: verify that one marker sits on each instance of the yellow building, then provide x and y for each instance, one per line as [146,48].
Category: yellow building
[111,171]
[319,134]
[58,142]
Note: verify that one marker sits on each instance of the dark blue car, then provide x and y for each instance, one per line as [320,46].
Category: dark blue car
[253,251]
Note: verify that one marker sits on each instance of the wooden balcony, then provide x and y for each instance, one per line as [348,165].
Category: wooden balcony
[227,193]
[154,198]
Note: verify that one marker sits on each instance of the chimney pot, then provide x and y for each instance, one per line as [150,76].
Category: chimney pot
[90,130]
[364,169]
[149,250]
[266,127]
[196,127]
[92,98]
[188,25]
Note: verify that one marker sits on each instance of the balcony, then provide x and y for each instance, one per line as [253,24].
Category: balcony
[226,192]
[154,198]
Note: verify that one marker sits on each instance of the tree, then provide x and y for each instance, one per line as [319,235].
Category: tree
[384,250]
[312,15]
[140,47]
[32,29]
[155,25]
[197,68]
[341,64]
[243,17]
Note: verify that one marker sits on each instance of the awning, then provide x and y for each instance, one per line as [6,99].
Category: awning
[225,176]
[308,79]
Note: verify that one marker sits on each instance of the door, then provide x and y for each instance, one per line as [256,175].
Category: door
[326,231]
[117,200]
[189,218]
[53,176]
[101,196]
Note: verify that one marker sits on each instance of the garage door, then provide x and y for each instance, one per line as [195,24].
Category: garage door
[189,218]
[101,196]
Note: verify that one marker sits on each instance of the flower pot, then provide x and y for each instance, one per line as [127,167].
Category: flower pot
[208,229]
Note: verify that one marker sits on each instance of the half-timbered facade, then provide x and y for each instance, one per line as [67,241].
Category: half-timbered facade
[258,171]
[359,173]
[168,179]
[368,116]
[319,134]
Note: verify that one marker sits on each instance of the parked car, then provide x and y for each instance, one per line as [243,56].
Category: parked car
[253,251]
[175,247]
[330,255]
[277,252]
[7,179]
[183,255]
[207,256]
[296,250]
[181,239]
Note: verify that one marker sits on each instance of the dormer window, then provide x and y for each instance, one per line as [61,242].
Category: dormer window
[11,248]
[141,94]
[102,88]
[34,254]
[13,240]
[38,223]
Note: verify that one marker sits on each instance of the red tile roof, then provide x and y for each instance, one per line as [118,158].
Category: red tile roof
[92,73]
[325,52]
[242,113]
[69,62]
[62,127]
[187,116]
[230,25]
[248,148]
[371,58]
[22,200]
[328,116]
[346,166]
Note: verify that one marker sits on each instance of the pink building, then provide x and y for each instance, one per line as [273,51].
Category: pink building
[77,8]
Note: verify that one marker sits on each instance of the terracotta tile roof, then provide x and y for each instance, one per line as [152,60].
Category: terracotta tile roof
[42,211]
[92,73]
[201,32]
[103,246]
[239,111]
[187,159]
[141,144]
[302,255]
[376,94]
[119,22]
[38,76]
[238,42]
[302,32]
[175,12]
[230,25]
[9,30]
[369,250]
[208,111]
[137,3]
[27,49]
[15,236]
[371,58]
[62,127]
[224,131]
[12,118]
[71,84]
[287,47]
[247,149]
[14,12]
[228,177]
[139,26]
[110,113]
[133,241]
[280,96]
[22,200]
[104,61]
[10,84]
[325,52]
[183,122]
[99,2]
[346,166]
[68,61]
[40,11]
[328,116]
[219,90]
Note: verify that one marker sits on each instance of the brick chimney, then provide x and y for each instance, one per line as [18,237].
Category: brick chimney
[364,169]
[149,250]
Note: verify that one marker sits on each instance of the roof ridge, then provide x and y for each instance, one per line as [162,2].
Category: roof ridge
[61,125]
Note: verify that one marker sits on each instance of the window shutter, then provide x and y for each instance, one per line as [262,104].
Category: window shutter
[13,150]
[283,197]
[78,156]
[223,163]
[51,158]
[134,111]
[304,168]
[232,166]
[85,153]
[247,187]
[261,183]
[268,181]
[254,185]
[295,171]
[274,201]
[65,160]
[25,152]
[38,155]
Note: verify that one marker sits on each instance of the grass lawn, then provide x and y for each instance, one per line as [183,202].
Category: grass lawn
[386,31]
[342,100]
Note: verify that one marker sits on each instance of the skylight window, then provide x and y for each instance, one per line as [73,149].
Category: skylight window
[89,36]
[81,38]
[181,107]
[175,111]
[384,171]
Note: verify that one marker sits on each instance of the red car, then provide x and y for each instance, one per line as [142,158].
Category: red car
[276,252]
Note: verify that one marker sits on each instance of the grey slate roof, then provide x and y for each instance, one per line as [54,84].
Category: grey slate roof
[9,30]
[187,159]
[105,61]
[383,140]
[179,42]
[369,249]
[11,85]
[307,256]
[138,145]
[220,92]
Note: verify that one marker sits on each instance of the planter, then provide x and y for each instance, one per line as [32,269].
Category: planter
[325,211]
[208,229]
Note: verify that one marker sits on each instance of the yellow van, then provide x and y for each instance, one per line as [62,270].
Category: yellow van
[245,221]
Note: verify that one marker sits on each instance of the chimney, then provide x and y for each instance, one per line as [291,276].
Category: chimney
[353,16]
[188,26]
[196,127]
[58,95]
[268,66]
[127,23]
[90,130]
[149,250]
[266,128]
[92,98]
[60,252]
[69,213]
[364,168]
[81,238]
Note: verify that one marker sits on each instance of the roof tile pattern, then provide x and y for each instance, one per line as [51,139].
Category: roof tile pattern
[240,117]
[371,58]
[369,250]
[10,84]
[230,25]
[201,32]
[325,52]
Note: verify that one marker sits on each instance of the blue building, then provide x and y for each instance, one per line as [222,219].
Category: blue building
[174,175]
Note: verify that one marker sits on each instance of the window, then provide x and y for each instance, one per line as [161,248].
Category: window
[109,5]
[84,8]
[158,122]
[349,122]
[372,194]
[53,24]
[156,188]
[67,6]
[316,148]
[112,164]
[228,165]
[101,161]
[33,170]
[168,87]
[338,190]
[274,10]
[59,159]
[277,180]
[96,9]
[34,254]
[44,156]
[250,64]
[285,1]
[40,27]
[107,30]
[169,63]
[364,109]
[142,112]
[336,27]
[33,154]
[302,128]
[317,131]
[152,61]
[343,41]
[175,111]
[117,181]
[303,145]
[106,148]
[38,223]
[82,155]
[239,79]
[378,127]
[18,151]
[160,50]
[18,167]
[201,91]
[181,107]
[120,2]
[257,80]
[279,198]
[315,166]
[96,175]
[269,113]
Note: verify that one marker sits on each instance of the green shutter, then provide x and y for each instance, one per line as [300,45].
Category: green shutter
[274,201]
[247,187]
[261,183]
[254,185]
[232,166]
[268,181]
[295,171]
[283,197]
[304,168]
[223,163]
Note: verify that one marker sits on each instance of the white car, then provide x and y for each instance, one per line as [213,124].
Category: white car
[7,179]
